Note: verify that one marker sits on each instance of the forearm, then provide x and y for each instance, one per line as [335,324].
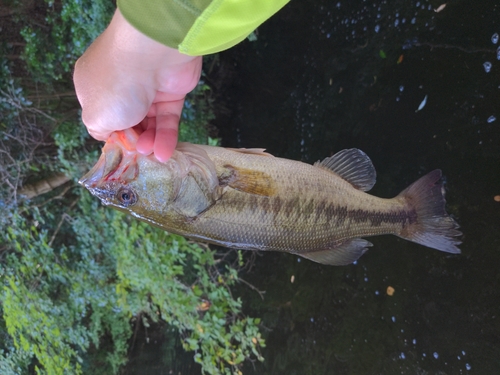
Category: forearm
[198,27]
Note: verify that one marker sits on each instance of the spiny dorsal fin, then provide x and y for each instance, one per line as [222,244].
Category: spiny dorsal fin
[352,165]
[248,181]
[344,254]
[251,151]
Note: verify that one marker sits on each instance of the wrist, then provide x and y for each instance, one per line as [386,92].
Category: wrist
[141,48]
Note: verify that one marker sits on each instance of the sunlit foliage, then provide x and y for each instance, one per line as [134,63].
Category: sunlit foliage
[76,277]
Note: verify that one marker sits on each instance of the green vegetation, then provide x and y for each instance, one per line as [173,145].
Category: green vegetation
[77,277]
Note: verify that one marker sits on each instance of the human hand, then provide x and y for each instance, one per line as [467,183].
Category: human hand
[126,78]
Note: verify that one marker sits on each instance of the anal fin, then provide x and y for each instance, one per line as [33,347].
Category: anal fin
[346,253]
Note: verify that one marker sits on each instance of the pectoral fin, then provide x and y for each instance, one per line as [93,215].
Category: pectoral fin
[346,253]
[248,181]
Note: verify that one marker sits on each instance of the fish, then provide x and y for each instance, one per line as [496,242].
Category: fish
[251,200]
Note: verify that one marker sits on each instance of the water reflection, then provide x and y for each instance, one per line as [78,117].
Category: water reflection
[494,38]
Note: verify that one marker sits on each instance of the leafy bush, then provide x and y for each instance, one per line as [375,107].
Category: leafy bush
[72,25]
[74,274]
[63,296]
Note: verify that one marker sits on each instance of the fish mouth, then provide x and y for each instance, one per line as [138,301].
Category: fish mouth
[90,179]
[104,193]
[108,162]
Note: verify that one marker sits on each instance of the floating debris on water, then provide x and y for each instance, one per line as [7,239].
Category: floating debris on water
[440,8]
[494,38]
[487,66]
[436,355]
[498,53]
[390,291]
[496,198]
[422,105]
[491,119]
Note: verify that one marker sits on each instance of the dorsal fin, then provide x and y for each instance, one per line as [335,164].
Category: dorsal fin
[251,151]
[352,165]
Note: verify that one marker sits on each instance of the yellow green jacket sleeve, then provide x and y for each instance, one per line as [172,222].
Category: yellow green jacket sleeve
[198,27]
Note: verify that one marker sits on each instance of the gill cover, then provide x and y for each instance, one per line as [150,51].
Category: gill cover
[199,188]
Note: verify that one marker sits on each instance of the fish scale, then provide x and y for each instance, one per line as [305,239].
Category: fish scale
[321,194]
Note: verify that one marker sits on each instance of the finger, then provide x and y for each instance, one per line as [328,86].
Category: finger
[167,128]
[165,143]
[146,141]
[143,125]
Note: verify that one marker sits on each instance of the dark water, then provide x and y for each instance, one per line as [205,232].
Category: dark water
[323,76]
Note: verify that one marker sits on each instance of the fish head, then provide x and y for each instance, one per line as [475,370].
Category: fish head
[134,183]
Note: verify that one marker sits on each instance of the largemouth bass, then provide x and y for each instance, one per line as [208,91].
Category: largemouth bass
[248,199]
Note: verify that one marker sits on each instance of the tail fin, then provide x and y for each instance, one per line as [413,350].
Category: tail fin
[434,227]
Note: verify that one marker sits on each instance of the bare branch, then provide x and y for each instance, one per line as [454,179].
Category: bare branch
[261,292]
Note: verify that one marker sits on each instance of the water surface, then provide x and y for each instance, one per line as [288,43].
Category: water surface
[324,76]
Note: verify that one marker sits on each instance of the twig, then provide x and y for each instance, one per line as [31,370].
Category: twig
[137,322]
[9,98]
[64,216]
[261,292]
[451,46]
[59,196]
[51,96]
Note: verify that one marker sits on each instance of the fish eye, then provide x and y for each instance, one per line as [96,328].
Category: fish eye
[126,197]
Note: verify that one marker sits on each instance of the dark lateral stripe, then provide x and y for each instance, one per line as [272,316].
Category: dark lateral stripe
[341,213]
[291,206]
[276,205]
[324,211]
